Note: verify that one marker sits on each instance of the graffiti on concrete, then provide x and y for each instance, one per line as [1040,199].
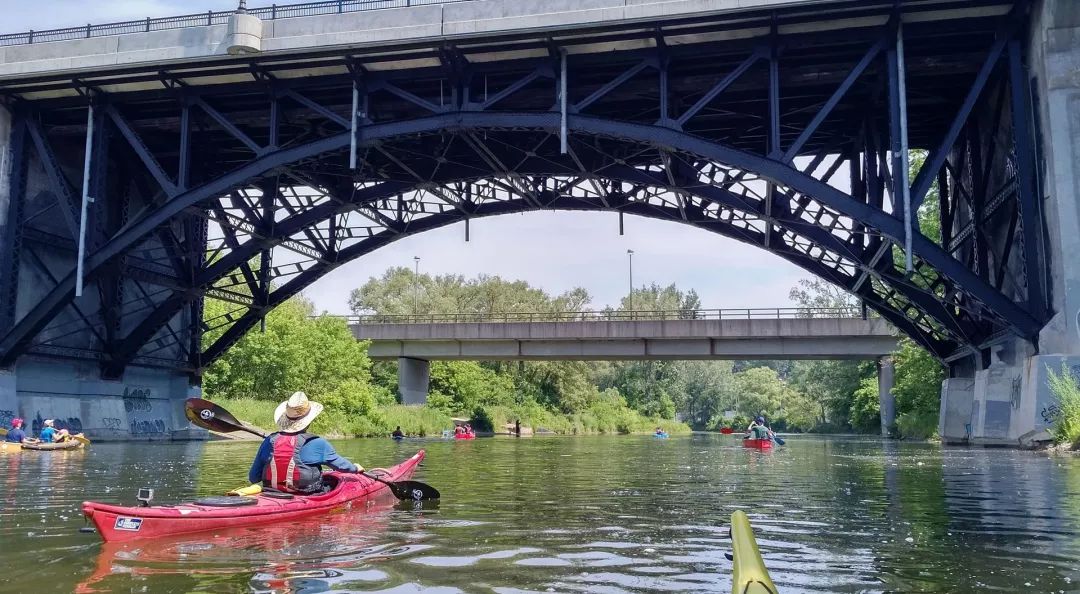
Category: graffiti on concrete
[137,399]
[140,412]
[143,393]
[72,424]
[1050,413]
[112,423]
[137,405]
[148,427]
[5,417]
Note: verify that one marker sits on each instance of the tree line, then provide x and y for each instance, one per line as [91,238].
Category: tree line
[317,354]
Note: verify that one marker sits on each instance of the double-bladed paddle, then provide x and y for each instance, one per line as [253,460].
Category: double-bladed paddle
[210,416]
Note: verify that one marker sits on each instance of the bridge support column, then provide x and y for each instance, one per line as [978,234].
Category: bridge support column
[413,380]
[145,405]
[886,401]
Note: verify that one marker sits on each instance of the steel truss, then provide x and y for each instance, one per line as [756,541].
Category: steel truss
[244,192]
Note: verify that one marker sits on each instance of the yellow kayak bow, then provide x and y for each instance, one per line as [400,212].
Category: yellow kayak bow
[749,575]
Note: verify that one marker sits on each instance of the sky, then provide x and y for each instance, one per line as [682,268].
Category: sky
[555,251]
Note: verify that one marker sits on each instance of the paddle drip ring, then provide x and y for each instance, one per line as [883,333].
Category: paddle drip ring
[206,414]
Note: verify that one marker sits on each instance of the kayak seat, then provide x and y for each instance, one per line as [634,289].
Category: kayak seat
[226,501]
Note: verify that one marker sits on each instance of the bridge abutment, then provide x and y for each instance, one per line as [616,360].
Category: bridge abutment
[147,404]
[413,380]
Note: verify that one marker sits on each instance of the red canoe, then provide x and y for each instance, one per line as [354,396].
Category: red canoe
[760,444]
[117,523]
[465,436]
[727,431]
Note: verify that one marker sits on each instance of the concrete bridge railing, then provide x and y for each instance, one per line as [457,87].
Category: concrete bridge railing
[611,315]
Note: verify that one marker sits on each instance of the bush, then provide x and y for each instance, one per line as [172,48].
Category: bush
[917,425]
[416,420]
[1066,424]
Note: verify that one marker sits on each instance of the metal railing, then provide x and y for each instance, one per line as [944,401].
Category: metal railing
[771,313]
[205,19]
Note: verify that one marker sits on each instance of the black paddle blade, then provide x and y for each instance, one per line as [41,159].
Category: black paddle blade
[413,491]
[210,416]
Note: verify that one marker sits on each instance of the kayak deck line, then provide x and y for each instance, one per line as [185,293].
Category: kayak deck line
[124,523]
[749,574]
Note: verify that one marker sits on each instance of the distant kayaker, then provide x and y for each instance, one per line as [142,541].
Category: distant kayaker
[758,429]
[397,434]
[290,460]
[16,435]
[48,434]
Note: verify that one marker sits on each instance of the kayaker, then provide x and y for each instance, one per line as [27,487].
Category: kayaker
[48,434]
[758,429]
[16,435]
[290,460]
[398,434]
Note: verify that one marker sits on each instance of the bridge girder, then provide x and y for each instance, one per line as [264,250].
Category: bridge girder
[263,168]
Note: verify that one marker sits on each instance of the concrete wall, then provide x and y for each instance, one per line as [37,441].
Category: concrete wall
[359,29]
[1055,64]
[5,163]
[148,404]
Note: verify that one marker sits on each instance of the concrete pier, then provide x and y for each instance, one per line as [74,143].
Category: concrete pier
[413,377]
[886,401]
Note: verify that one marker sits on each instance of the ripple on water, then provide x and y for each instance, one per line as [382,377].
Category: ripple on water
[575,515]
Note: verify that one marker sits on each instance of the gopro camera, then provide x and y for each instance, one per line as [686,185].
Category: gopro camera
[145,496]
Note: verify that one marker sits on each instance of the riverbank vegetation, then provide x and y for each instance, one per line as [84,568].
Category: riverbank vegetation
[1066,423]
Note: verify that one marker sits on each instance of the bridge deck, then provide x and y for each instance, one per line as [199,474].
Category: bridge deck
[835,338]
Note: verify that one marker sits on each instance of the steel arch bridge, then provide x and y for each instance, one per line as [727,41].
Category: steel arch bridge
[247,180]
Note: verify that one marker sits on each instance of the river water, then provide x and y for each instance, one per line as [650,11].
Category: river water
[572,514]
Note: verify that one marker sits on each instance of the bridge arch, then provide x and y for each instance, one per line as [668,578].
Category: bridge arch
[491,163]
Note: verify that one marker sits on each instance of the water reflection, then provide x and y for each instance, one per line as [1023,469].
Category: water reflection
[623,514]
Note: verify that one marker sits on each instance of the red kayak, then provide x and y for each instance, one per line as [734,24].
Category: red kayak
[118,523]
[760,444]
[465,436]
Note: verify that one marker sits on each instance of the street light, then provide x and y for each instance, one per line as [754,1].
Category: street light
[630,255]
[415,285]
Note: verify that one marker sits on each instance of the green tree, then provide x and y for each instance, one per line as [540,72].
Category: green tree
[917,390]
[667,299]
[317,355]
[399,291]
[761,392]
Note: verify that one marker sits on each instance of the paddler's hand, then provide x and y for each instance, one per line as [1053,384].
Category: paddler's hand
[359,469]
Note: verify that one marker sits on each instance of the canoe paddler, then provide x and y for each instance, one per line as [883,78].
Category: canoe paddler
[48,434]
[17,434]
[291,460]
[758,429]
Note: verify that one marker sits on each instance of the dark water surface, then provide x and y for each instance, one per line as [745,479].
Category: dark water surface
[588,514]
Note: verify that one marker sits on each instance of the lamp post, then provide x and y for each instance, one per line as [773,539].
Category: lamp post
[630,256]
[416,285]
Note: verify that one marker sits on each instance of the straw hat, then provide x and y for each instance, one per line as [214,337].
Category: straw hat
[296,413]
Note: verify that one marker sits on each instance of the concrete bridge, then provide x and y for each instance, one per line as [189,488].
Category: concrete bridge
[593,336]
[739,334]
[145,165]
